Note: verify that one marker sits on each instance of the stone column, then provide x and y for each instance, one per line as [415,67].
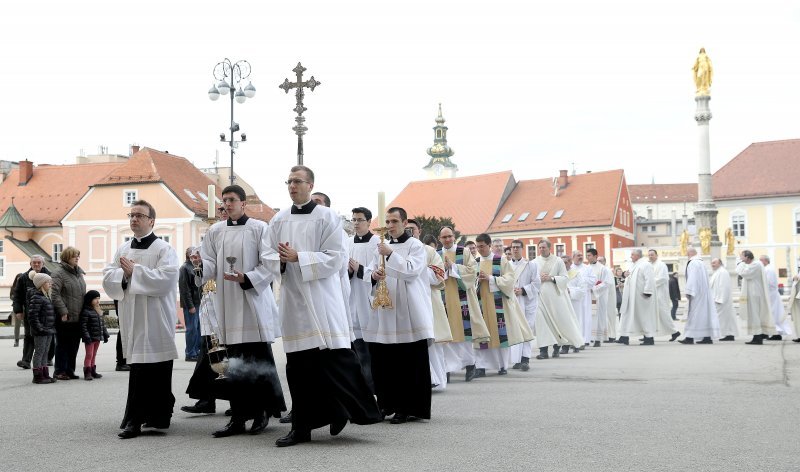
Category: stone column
[705,214]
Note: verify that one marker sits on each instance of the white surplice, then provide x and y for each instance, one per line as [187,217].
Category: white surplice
[311,305]
[556,322]
[243,316]
[147,305]
[665,324]
[723,302]
[410,318]
[363,251]
[701,319]
[794,306]
[638,312]
[583,303]
[782,323]
[601,294]
[527,273]
[754,306]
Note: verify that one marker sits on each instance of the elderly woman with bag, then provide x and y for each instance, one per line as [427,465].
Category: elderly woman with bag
[68,291]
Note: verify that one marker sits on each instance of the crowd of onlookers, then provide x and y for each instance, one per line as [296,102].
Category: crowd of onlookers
[57,314]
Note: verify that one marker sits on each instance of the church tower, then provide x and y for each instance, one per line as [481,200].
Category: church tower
[440,166]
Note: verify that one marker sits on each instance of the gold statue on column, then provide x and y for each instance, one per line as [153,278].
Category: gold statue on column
[730,241]
[705,241]
[684,242]
[703,73]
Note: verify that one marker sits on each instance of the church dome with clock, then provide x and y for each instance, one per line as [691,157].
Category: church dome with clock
[440,166]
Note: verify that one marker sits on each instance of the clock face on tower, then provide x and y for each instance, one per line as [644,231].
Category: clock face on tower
[438,169]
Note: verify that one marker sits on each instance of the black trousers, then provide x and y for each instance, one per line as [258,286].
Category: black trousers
[150,398]
[402,376]
[327,387]
[252,384]
[68,341]
[675,309]
[201,384]
[362,352]
[27,341]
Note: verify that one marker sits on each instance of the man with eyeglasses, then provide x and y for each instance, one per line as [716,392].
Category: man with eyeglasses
[143,277]
[526,289]
[323,372]
[582,280]
[239,255]
[601,296]
[398,335]
[362,253]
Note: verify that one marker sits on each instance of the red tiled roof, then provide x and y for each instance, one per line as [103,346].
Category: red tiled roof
[587,200]
[662,193]
[470,201]
[52,191]
[766,169]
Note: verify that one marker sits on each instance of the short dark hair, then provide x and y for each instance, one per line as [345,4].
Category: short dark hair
[367,214]
[239,191]
[428,239]
[469,243]
[748,254]
[592,251]
[403,214]
[146,204]
[414,222]
[325,198]
[309,172]
[653,251]
[517,241]
[484,238]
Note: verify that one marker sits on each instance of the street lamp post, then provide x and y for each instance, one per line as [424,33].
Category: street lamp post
[230,76]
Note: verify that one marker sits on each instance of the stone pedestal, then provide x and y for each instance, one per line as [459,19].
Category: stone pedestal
[705,214]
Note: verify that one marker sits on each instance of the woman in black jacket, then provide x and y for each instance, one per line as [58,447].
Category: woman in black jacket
[93,330]
[42,320]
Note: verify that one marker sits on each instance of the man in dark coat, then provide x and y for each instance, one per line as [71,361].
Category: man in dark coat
[19,301]
[674,294]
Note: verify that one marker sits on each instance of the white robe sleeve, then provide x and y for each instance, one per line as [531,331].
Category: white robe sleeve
[159,281]
[113,276]
[268,267]
[409,267]
[326,262]
[208,253]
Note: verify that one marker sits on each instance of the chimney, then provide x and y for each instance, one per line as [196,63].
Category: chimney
[563,179]
[25,171]
[134,149]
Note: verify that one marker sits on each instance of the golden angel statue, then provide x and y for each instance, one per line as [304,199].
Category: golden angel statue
[703,73]
[730,241]
[705,241]
[684,242]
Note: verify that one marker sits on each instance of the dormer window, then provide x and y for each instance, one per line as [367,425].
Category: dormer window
[524,216]
[507,218]
[558,214]
[541,215]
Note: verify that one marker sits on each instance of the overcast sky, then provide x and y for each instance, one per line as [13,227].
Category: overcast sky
[527,86]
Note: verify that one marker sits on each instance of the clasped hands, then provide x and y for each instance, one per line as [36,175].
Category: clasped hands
[287,252]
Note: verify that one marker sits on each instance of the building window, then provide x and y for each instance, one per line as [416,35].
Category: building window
[561,249]
[644,229]
[57,248]
[165,238]
[507,218]
[523,216]
[587,246]
[2,266]
[531,253]
[1,245]
[738,225]
[558,214]
[129,196]
[796,226]
[649,213]
[652,229]
[541,215]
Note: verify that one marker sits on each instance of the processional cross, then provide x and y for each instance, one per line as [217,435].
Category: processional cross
[299,129]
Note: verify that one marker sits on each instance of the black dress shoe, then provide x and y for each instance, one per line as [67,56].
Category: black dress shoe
[294,437]
[525,367]
[564,349]
[796,340]
[776,337]
[727,338]
[687,340]
[611,340]
[757,339]
[502,371]
[259,424]
[597,344]
[200,407]
[517,366]
[543,353]
[233,428]
[130,431]
[480,373]
[706,340]
[648,342]
[675,336]
[337,427]
[623,340]
[399,418]
[471,373]
[286,419]
[123,368]
[556,351]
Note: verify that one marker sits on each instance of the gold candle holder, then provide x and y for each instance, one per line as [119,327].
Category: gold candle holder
[382,298]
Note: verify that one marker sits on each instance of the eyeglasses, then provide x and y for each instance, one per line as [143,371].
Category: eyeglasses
[221,209]
[139,216]
[296,182]
[230,200]
[358,220]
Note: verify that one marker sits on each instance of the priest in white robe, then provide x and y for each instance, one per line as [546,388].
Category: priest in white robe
[782,324]
[526,288]
[754,306]
[322,370]
[639,312]
[556,323]
[143,277]
[398,336]
[239,256]
[794,308]
[665,325]
[701,319]
[461,303]
[723,301]
[583,302]
[362,253]
[601,294]
[611,312]
[501,311]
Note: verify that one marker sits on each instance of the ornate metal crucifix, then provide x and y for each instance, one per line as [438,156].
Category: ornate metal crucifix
[299,129]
